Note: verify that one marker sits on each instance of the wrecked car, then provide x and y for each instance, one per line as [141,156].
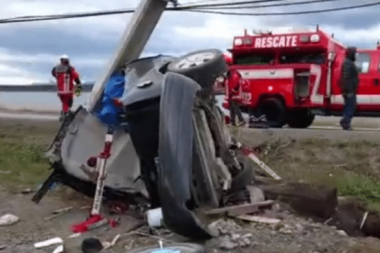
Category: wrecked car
[171,148]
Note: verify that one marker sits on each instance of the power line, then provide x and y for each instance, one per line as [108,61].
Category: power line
[269,5]
[227,4]
[114,12]
[187,8]
[63,16]
[202,1]
[286,13]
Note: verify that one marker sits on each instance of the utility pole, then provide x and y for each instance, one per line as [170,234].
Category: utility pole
[133,41]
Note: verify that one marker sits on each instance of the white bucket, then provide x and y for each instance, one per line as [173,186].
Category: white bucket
[155,218]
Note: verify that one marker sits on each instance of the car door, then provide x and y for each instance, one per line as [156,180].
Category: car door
[368,94]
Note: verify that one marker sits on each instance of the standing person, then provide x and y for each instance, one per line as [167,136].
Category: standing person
[66,75]
[234,82]
[349,84]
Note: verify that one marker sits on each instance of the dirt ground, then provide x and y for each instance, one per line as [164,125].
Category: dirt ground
[351,164]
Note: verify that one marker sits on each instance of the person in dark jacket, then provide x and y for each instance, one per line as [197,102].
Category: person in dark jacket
[349,85]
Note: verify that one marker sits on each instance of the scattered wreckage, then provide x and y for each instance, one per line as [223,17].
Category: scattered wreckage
[170,147]
[171,135]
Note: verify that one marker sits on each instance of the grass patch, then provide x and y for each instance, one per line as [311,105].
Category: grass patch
[25,163]
[365,188]
[22,147]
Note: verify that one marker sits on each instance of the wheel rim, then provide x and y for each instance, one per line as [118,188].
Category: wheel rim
[195,60]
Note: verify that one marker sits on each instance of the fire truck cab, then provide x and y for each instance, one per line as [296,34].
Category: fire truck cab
[293,76]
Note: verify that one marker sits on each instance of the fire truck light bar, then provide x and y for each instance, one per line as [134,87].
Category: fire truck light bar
[314,38]
[304,38]
[247,41]
[238,42]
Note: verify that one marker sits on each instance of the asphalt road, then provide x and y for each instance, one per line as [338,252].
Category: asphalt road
[324,127]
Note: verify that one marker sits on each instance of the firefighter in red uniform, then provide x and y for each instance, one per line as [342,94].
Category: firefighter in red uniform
[234,82]
[66,75]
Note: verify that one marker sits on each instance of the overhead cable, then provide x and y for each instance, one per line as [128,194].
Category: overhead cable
[286,13]
[187,8]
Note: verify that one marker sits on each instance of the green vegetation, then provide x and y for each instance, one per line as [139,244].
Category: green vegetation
[351,166]
[22,146]
[23,161]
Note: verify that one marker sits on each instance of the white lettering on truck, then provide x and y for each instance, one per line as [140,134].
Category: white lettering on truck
[276,41]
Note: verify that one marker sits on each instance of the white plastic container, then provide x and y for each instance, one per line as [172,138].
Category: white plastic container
[155,218]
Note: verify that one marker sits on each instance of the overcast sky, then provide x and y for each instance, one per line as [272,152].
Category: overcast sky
[28,51]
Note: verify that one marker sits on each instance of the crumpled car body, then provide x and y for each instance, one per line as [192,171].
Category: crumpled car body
[173,150]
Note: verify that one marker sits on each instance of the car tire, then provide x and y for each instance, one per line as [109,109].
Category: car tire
[300,118]
[203,72]
[178,247]
[274,111]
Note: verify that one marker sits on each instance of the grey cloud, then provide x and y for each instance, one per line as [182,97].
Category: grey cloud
[35,38]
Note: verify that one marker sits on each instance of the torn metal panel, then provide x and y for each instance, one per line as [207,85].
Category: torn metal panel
[88,140]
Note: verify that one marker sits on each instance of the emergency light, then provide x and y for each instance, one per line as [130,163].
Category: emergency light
[247,42]
[314,38]
[304,38]
[238,42]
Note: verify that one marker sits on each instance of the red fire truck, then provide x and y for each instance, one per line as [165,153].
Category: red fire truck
[291,77]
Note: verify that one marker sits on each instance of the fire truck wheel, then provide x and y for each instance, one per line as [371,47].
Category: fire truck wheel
[203,66]
[274,111]
[300,118]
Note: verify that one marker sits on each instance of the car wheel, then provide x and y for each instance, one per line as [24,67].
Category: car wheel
[203,66]
[300,118]
[274,111]
[178,247]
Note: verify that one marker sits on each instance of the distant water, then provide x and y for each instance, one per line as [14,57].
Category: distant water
[36,101]
[43,101]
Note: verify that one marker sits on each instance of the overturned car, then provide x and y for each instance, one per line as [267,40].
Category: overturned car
[171,148]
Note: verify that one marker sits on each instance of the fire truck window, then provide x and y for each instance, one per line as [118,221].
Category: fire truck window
[303,58]
[362,62]
[253,59]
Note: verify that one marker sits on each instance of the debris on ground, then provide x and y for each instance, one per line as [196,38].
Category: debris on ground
[27,191]
[59,212]
[250,154]
[258,219]
[75,235]
[8,219]
[230,234]
[240,209]
[59,249]
[108,245]
[154,217]
[255,194]
[53,241]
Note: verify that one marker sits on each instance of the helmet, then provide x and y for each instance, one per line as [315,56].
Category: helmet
[64,57]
